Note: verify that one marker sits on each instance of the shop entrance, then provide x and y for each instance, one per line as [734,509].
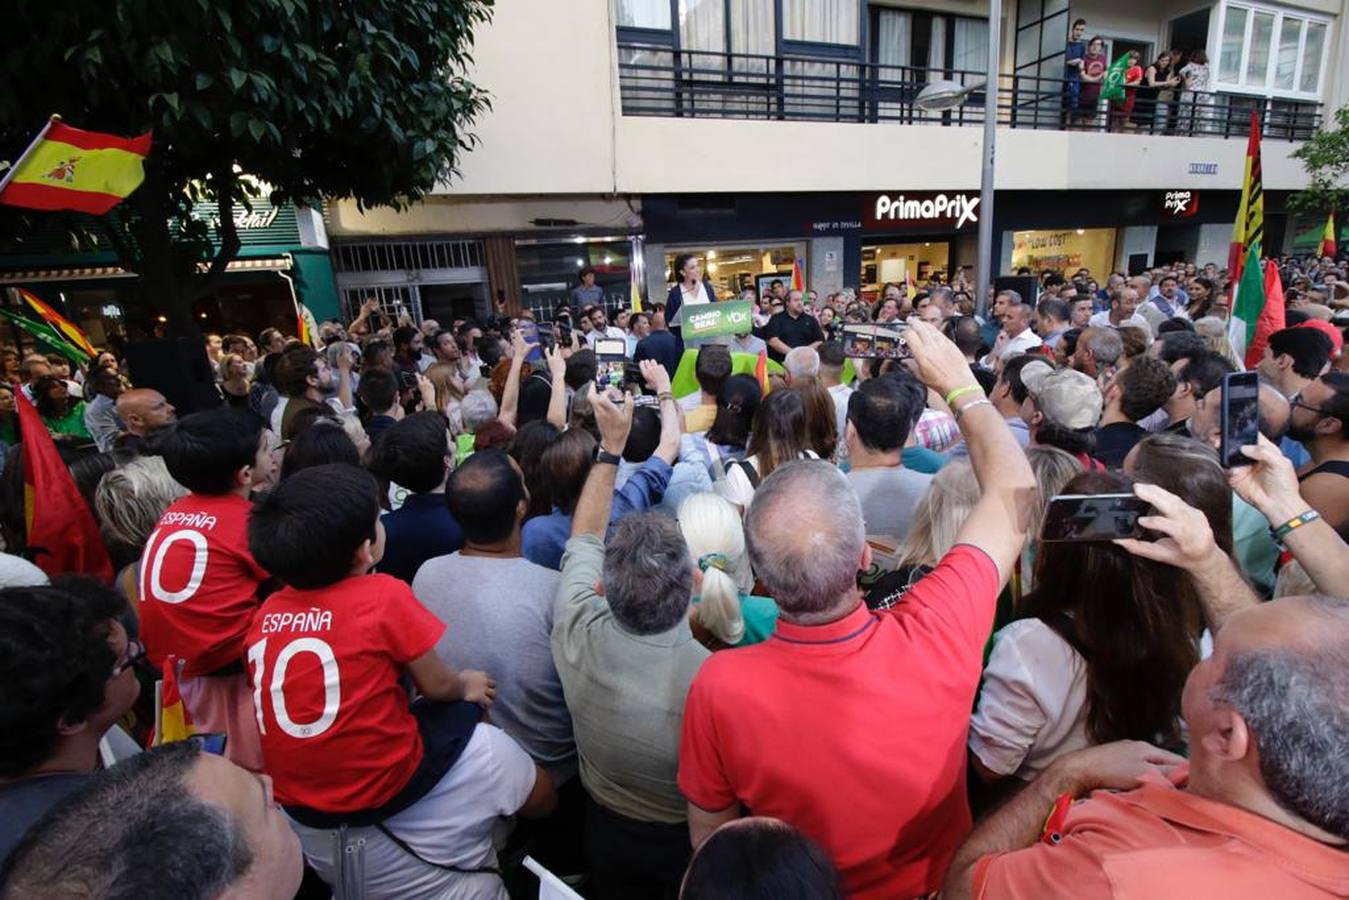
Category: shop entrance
[735,269]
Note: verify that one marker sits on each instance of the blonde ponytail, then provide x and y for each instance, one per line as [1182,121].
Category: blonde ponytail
[716,540]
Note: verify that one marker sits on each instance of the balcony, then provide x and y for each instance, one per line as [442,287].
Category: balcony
[655,80]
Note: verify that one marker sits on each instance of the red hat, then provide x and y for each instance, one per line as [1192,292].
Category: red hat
[1330,331]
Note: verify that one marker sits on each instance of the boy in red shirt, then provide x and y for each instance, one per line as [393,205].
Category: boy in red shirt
[327,653]
[198,580]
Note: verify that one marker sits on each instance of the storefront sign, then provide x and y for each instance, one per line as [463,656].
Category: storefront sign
[835,226]
[923,210]
[705,320]
[1180,204]
[1203,168]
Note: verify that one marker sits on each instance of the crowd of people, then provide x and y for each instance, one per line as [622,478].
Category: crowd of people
[438,599]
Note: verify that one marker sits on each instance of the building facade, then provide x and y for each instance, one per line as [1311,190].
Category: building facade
[762,133]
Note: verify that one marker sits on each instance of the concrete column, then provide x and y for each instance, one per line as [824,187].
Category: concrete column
[826,262]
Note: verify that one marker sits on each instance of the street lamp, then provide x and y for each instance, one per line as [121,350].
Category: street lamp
[943,95]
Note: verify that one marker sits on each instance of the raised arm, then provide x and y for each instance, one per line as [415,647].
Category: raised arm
[510,394]
[1270,485]
[344,377]
[670,419]
[597,497]
[557,400]
[1187,543]
[998,522]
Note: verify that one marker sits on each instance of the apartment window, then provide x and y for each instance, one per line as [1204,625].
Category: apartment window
[644,14]
[1041,39]
[1267,50]
[821,21]
[940,44]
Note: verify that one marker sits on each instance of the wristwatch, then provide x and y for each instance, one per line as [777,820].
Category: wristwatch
[604,456]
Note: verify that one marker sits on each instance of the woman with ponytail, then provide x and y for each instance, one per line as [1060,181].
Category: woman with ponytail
[724,613]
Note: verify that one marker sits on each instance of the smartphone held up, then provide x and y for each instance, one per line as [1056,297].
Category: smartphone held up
[1240,417]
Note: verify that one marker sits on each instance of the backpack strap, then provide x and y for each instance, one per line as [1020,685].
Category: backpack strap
[750,472]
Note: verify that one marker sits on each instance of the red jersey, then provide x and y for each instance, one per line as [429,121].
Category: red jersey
[337,735]
[199,583]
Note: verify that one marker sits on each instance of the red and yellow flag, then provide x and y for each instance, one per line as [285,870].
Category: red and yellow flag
[172,720]
[761,372]
[798,280]
[68,329]
[1249,229]
[62,535]
[69,168]
[1328,246]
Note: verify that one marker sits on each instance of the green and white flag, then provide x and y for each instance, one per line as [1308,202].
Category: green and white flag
[1112,88]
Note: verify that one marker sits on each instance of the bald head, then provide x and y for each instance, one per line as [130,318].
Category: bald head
[143,410]
[1206,423]
[807,540]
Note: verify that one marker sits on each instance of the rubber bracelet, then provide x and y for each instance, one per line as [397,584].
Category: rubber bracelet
[1296,522]
[968,406]
[962,391]
[665,395]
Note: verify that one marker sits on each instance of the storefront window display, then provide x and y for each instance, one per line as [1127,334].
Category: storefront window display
[734,269]
[548,271]
[1065,251]
[921,261]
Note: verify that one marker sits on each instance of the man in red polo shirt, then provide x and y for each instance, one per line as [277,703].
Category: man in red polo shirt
[847,724]
[1266,810]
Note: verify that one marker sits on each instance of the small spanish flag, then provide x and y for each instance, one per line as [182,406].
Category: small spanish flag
[1328,247]
[69,168]
[798,279]
[761,371]
[67,329]
[172,720]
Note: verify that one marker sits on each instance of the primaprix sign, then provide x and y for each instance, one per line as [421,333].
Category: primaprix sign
[928,210]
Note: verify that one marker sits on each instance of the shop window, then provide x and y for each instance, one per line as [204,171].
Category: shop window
[1065,251]
[548,272]
[1266,49]
[898,263]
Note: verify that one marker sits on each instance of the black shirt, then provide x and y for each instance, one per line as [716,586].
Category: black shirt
[25,801]
[794,332]
[663,347]
[1114,441]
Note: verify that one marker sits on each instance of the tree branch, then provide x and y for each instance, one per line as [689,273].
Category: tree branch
[225,230]
[113,232]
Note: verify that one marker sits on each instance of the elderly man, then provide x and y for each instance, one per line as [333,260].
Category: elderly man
[142,410]
[1097,352]
[862,700]
[1002,302]
[625,655]
[800,364]
[216,822]
[1264,811]
[100,415]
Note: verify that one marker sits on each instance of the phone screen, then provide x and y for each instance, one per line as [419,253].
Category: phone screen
[1093,517]
[1240,417]
[874,342]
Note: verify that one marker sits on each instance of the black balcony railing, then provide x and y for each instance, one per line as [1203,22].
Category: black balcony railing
[656,80]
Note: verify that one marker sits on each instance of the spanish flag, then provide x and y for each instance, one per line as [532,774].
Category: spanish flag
[1248,231]
[66,328]
[68,168]
[62,535]
[1328,247]
[172,720]
[798,280]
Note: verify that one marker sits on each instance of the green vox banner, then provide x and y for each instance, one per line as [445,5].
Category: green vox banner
[716,319]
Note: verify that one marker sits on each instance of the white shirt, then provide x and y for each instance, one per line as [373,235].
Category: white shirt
[1102,320]
[840,393]
[1026,340]
[690,298]
[737,487]
[1033,704]
[452,825]
[609,332]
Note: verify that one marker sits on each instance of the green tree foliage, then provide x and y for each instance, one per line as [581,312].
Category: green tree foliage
[1325,156]
[360,99]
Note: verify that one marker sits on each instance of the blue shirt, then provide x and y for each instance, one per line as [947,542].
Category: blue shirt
[543,538]
[420,530]
[1074,50]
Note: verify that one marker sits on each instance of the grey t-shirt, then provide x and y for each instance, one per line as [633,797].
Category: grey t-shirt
[499,618]
[889,496]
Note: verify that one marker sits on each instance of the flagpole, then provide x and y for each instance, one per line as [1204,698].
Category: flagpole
[14,169]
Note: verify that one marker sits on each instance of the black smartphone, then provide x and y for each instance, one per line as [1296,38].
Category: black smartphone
[1093,517]
[1240,417]
[874,342]
[407,380]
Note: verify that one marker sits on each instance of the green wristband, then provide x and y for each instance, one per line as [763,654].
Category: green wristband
[1296,522]
[962,391]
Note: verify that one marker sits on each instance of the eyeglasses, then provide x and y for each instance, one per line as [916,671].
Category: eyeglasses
[135,652]
[1295,402]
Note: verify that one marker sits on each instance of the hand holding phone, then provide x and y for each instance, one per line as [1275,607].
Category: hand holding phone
[1240,417]
[1093,517]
